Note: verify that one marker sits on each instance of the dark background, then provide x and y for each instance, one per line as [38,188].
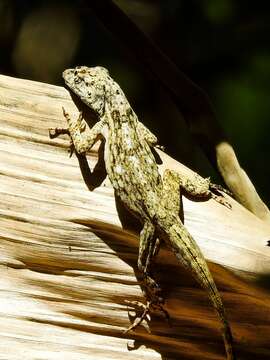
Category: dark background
[222,45]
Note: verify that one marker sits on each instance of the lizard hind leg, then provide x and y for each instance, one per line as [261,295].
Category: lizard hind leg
[171,194]
[184,245]
[195,186]
[148,249]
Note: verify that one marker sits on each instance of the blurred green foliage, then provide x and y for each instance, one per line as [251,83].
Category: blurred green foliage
[219,11]
[223,46]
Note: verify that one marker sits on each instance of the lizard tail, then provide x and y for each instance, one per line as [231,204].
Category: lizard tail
[190,255]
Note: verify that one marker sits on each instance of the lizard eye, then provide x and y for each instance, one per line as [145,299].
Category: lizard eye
[77,80]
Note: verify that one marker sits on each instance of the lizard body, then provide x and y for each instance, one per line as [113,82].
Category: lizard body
[133,172]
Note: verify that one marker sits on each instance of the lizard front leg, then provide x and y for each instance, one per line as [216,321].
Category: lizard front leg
[148,136]
[83,138]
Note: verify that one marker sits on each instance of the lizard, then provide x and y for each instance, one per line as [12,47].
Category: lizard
[134,175]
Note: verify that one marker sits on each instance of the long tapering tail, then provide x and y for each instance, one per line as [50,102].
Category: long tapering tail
[190,255]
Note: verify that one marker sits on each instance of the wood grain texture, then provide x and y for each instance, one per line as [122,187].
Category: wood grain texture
[68,255]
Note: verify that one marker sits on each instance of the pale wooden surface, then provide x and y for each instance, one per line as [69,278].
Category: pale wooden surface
[67,265]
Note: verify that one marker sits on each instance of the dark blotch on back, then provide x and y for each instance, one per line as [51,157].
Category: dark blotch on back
[129,112]
[115,114]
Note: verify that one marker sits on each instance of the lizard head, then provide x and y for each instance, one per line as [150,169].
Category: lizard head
[89,84]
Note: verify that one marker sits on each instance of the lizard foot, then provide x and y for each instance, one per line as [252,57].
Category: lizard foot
[146,309]
[53,133]
[160,147]
[217,187]
[221,200]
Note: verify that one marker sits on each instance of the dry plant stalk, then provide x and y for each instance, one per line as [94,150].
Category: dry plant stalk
[67,264]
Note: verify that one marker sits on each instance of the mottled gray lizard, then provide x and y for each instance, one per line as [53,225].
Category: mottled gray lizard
[133,172]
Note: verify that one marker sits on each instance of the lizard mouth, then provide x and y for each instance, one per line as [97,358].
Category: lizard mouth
[65,72]
[67,75]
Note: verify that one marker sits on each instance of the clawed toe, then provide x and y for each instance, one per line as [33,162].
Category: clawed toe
[160,147]
[53,133]
[217,187]
[221,200]
[145,315]
[71,148]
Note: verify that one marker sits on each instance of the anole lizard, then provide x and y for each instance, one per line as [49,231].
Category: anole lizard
[133,172]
